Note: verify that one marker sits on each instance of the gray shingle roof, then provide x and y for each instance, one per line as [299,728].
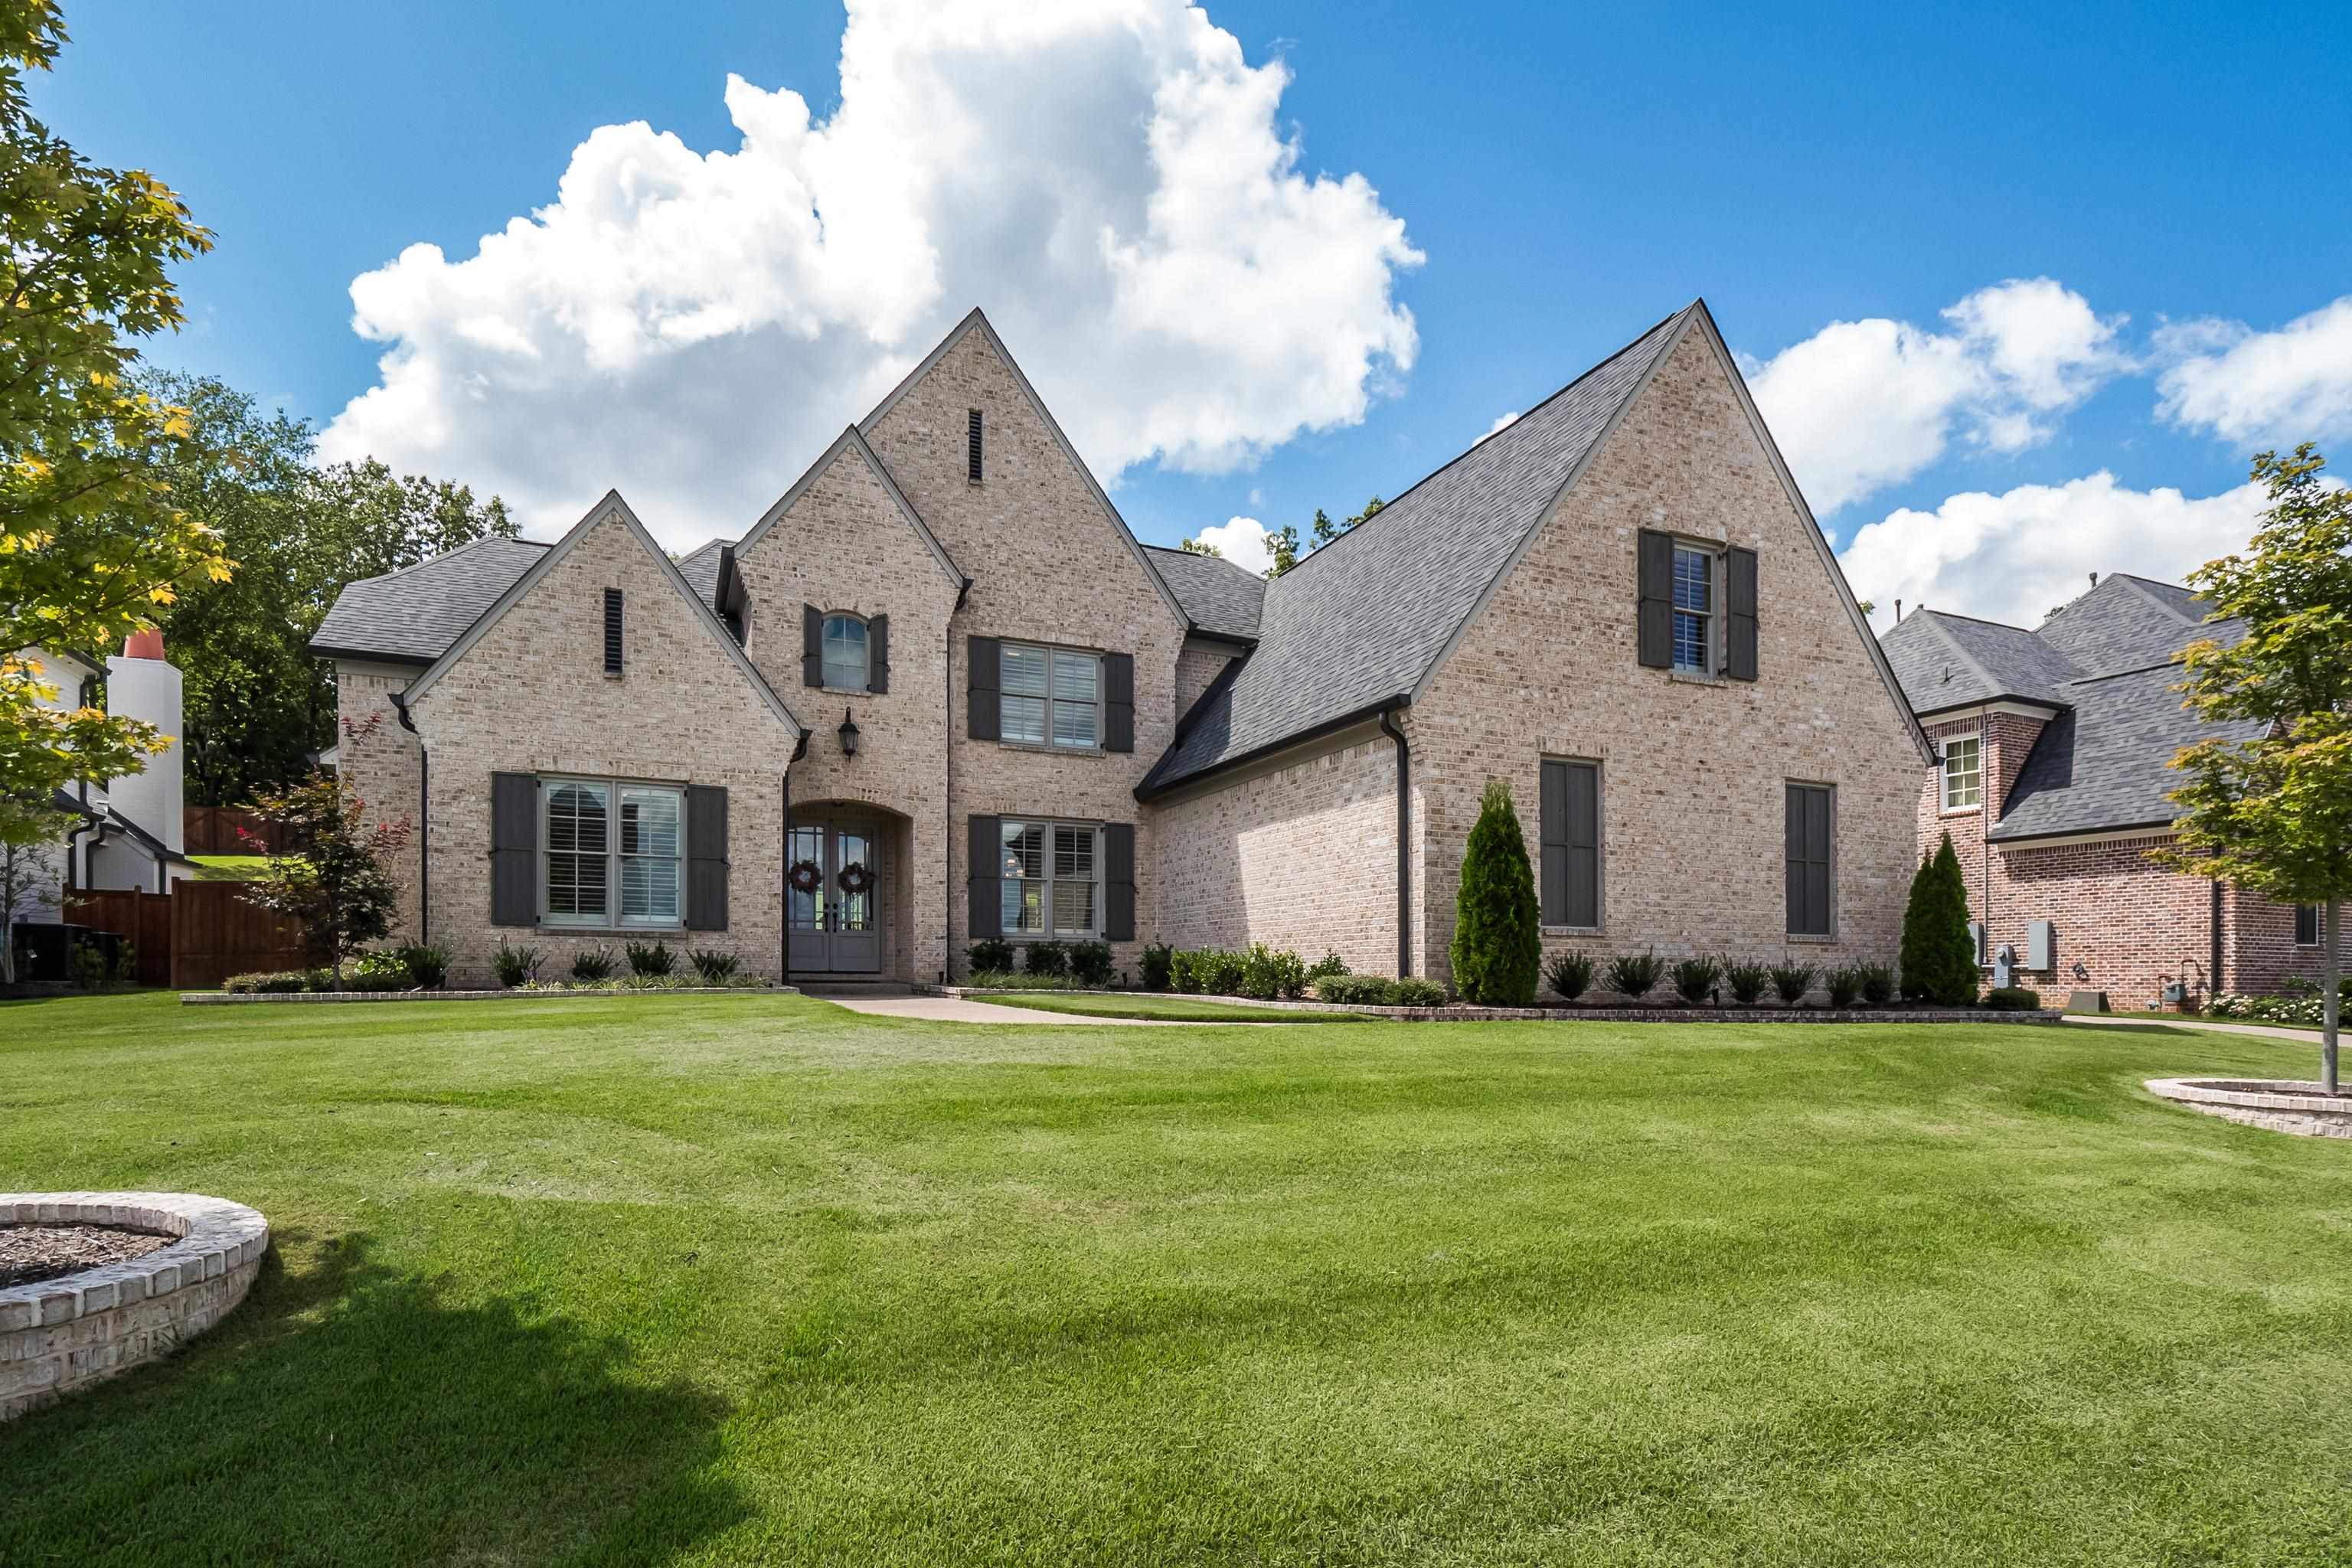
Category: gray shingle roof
[1955,661]
[411,616]
[2105,763]
[699,568]
[1361,621]
[1221,598]
[2130,623]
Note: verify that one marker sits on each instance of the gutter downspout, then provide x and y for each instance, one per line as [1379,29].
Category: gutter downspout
[423,822]
[2213,976]
[946,805]
[1404,840]
[785,853]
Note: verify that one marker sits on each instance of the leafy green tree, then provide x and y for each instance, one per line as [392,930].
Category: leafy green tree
[1497,938]
[92,546]
[1199,547]
[1322,531]
[1939,960]
[2275,813]
[338,883]
[1284,546]
[258,703]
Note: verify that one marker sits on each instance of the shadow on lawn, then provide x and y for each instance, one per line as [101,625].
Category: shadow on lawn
[350,1414]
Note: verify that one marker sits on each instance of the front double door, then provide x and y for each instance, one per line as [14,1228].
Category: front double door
[833,895]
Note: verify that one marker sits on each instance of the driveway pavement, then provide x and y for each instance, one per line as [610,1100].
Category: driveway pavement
[958,1010]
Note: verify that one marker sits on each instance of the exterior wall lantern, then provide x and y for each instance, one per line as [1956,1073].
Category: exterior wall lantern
[848,734]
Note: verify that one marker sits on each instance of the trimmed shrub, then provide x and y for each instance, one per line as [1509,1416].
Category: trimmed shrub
[1184,970]
[1049,958]
[2012,999]
[1570,975]
[1412,992]
[1634,974]
[1331,963]
[516,966]
[1090,962]
[267,982]
[1158,962]
[651,962]
[990,955]
[1267,975]
[591,964]
[1221,973]
[1746,982]
[1498,931]
[426,964]
[1844,984]
[1940,958]
[1356,990]
[1877,983]
[713,967]
[379,971]
[1696,979]
[1791,981]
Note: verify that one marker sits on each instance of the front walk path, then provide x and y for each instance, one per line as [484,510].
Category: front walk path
[956,1010]
[2190,1021]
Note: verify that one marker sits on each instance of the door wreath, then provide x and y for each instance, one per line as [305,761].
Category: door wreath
[806,877]
[854,877]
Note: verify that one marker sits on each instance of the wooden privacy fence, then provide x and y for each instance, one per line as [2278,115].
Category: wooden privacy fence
[195,936]
[213,830]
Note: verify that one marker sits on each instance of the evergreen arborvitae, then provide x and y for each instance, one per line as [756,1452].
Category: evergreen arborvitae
[1498,934]
[1939,960]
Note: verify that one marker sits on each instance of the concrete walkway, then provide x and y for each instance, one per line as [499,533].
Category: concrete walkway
[957,1010]
[2190,1021]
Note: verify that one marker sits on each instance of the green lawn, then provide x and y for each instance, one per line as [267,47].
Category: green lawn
[1148,1005]
[228,868]
[736,1279]
[2192,1022]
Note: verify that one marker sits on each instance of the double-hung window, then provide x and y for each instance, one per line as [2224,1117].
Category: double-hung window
[1052,879]
[845,653]
[1050,697]
[612,855]
[1694,610]
[2306,925]
[1963,773]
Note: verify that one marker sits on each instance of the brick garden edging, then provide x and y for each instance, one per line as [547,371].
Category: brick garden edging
[217,998]
[2296,1107]
[1463,1014]
[62,1334]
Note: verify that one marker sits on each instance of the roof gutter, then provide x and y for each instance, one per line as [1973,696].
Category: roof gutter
[1403,839]
[1148,791]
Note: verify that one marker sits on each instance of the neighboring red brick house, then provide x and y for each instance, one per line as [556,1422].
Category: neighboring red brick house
[2055,747]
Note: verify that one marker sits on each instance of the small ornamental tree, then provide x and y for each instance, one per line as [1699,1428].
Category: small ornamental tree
[338,884]
[1497,938]
[2274,814]
[1939,960]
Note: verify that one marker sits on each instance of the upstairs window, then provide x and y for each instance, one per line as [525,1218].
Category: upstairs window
[1050,697]
[2306,925]
[1694,611]
[972,445]
[845,653]
[612,631]
[1963,773]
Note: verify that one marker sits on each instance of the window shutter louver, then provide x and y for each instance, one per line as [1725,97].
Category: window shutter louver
[878,654]
[1570,829]
[1739,634]
[1551,882]
[1809,827]
[973,469]
[1119,881]
[706,857]
[983,715]
[612,631]
[811,646]
[1118,702]
[986,916]
[1654,620]
[514,849]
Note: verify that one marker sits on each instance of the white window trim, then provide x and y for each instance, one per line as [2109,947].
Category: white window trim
[824,673]
[1943,806]
[1094,932]
[612,920]
[1048,743]
[1718,652]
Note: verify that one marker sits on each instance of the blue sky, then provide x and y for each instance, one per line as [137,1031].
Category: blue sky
[1567,175]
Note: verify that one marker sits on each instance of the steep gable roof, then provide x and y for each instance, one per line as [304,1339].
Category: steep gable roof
[1223,599]
[610,506]
[2129,623]
[853,440]
[411,616]
[699,568]
[2107,763]
[1947,661]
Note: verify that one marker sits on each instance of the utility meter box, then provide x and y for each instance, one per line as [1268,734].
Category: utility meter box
[2041,945]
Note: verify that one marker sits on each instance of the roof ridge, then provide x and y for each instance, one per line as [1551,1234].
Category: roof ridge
[1979,620]
[2119,674]
[1220,559]
[1496,440]
[1963,655]
[448,555]
[2141,586]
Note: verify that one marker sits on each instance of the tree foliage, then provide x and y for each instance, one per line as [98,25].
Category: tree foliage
[1939,958]
[2274,814]
[92,544]
[1497,936]
[258,703]
[338,883]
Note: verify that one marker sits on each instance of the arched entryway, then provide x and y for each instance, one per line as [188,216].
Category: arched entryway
[844,890]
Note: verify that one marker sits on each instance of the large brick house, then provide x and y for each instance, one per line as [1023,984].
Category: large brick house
[2055,747]
[940,692]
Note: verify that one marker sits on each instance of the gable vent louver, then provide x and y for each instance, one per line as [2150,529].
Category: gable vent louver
[972,445]
[612,631]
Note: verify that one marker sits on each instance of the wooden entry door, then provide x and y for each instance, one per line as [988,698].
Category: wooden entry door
[835,929]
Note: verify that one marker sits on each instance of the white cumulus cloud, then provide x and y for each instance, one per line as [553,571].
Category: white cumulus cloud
[1241,541]
[1860,405]
[2282,387]
[1112,182]
[2013,557]
[1502,423]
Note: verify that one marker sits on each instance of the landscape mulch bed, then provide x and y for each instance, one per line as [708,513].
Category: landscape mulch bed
[32,1253]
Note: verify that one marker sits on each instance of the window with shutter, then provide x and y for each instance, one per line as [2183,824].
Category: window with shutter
[1569,889]
[2306,925]
[1811,831]
[612,631]
[973,454]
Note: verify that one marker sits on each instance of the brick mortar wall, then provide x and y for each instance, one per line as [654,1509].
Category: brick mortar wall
[1196,667]
[383,765]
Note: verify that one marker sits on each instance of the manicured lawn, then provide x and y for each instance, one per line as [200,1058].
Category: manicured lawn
[1147,1005]
[228,868]
[733,1279]
[2311,1029]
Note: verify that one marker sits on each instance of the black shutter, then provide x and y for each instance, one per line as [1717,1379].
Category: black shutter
[1809,829]
[1119,881]
[1118,702]
[811,646]
[1570,837]
[612,631]
[706,857]
[878,654]
[1654,622]
[972,456]
[1740,641]
[984,711]
[987,872]
[2306,925]
[1551,832]
[514,849]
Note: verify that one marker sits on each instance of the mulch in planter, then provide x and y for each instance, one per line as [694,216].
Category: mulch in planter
[31,1253]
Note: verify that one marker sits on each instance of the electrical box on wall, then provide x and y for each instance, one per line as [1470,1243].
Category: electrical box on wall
[1976,939]
[2041,944]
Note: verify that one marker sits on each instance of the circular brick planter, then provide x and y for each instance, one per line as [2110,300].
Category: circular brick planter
[2298,1108]
[58,1335]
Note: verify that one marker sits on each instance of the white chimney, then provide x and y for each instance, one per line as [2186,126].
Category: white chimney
[140,684]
